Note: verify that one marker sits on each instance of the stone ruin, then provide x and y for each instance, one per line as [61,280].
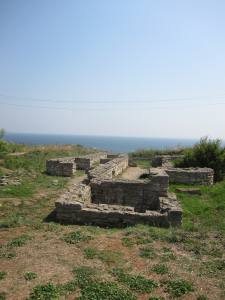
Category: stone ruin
[164,160]
[108,200]
[193,176]
[67,166]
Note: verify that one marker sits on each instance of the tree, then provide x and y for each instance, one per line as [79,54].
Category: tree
[2,133]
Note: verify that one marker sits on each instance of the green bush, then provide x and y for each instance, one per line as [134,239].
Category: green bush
[207,153]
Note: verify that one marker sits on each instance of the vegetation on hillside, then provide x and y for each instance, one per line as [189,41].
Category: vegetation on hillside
[207,153]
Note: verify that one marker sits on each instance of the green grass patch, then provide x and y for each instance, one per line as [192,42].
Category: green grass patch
[178,288]
[147,252]
[76,237]
[160,269]
[2,295]
[106,256]
[2,275]
[105,291]
[19,241]
[136,283]
[85,275]
[50,291]
[30,276]
[47,291]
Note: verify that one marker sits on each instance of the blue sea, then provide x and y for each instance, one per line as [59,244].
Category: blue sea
[115,144]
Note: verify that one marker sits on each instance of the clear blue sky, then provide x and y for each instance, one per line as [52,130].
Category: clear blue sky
[121,67]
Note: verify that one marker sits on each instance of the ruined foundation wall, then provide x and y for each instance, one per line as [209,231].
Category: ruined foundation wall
[164,160]
[140,194]
[194,176]
[60,167]
[119,216]
[86,162]
[112,168]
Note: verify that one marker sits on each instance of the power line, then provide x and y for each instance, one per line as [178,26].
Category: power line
[105,109]
[121,101]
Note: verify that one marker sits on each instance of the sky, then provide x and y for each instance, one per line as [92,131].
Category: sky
[122,67]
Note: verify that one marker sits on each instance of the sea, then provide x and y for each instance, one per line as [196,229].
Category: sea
[109,143]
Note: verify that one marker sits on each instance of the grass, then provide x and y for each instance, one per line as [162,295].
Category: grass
[76,237]
[45,292]
[147,252]
[105,291]
[106,256]
[136,283]
[160,269]
[19,241]
[2,275]
[2,295]
[30,276]
[178,288]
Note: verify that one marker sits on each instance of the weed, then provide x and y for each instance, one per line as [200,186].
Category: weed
[160,269]
[178,288]
[19,241]
[156,298]
[76,237]
[137,283]
[30,276]
[105,291]
[2,275]
[147,252]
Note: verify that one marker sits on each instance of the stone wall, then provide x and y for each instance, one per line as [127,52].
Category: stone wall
[194,176]
[119,216]
[164,160]
[87,161]
[68,165]
[141,194]
[110,169]
[60,167]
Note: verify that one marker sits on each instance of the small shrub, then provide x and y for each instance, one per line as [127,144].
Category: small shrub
[156,298]
[105,291]
[30,276]
[137,283]
[76,237]
[19,241]
[160,269]
[2,275]
[177,288]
